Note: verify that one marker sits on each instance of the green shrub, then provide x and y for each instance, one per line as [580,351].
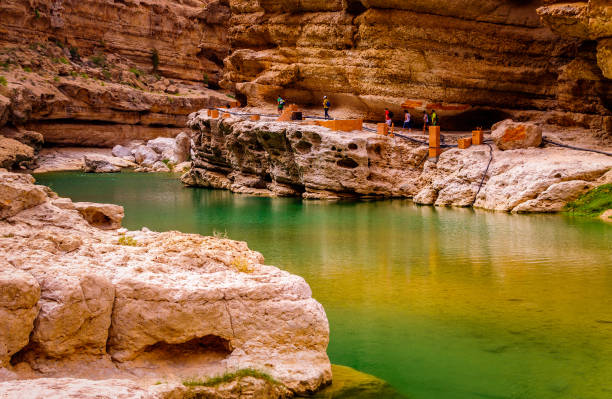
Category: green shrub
[27,69]
[205,79]
[98,60]
[220,234]
[168,163]
[63,60]
[56,79]
[136,72]
[74,74]
[74,53]
[154,59]
[84,75]
[3,81]
[593,203]
[106,73]
[228,377]
[36,13]
[127,241]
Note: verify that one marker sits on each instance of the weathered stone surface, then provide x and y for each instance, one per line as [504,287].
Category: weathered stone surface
[554,198]
[146,156]
[182,148]
[121,151]
[14,154]
[102,216]
[99,166]
[71,158]
[27,137]
[19,295]
[115,305]
[274,158]
[509,135]
[161,145]
[17,193]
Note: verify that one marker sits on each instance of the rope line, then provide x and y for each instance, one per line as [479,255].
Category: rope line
[575,148]
[484,175]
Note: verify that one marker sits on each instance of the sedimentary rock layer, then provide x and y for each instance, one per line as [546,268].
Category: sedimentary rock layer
[77,301]
[475,61]
[298,159]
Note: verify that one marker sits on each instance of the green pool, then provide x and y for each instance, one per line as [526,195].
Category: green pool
[441,303]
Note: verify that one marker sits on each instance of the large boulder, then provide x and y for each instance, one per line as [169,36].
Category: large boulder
[14,154]
[182,148]
[99,166]
[146,156]
[102,216]
[510,135]
[161,144]
[19,294]
[18,192]
[120,151]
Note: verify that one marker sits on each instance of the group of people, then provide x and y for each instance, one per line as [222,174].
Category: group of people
[326,105]
[428,120]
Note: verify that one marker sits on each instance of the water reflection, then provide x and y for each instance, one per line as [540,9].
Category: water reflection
[442,303]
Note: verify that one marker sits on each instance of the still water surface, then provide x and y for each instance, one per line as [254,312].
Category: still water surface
[441,303]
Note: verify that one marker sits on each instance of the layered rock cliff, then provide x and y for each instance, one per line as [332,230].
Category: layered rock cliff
[299,159]
[99,73]
[82,301]
[476,62]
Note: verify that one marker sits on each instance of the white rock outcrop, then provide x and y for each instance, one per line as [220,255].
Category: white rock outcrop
[81,302]
[299,159]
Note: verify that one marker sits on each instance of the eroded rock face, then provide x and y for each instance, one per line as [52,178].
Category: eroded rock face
[455,56]
[14,154]
[84,302]
[99,166]
[296,159]
[103,216]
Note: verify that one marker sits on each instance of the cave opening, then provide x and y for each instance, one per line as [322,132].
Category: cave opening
[355,7]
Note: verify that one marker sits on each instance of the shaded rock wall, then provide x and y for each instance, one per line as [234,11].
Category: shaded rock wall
[459,57]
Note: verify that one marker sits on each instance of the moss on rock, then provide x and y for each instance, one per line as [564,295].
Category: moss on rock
[348,383]
[592,203]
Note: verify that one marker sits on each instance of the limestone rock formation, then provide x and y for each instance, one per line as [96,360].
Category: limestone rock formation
[102,216]
[299,159]
[476,62]
[15,155]
[509,135]
[130,308]
[99,166]
[146,156]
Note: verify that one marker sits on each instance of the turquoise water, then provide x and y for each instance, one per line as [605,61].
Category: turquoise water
[441,303]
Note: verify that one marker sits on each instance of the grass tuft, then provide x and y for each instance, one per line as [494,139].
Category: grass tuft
[242,265]
[593,203]
[136,72]
[228,377]
[127,241]
[3,81]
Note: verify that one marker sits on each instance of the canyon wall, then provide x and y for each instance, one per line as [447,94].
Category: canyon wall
[474,61]
[103,72]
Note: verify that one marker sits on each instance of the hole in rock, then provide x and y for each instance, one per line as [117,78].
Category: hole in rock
[355,7]
[241,98]
[352,146]
[303,146]
[469,120]
[205,349]
[348,163]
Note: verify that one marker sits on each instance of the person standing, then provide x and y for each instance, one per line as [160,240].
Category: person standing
[407,123]
[281,104]
[434,118]
[326,105]
[425,121]
[388,117]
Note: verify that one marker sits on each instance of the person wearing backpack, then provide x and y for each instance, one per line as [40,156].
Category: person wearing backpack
[281,104]
[326,105]
[388,117]
[434,118]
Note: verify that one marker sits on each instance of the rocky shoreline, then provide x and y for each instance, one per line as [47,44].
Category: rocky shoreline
[90,308]
[313,162]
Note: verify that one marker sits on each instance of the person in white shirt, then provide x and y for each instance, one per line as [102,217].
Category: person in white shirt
[407,123]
